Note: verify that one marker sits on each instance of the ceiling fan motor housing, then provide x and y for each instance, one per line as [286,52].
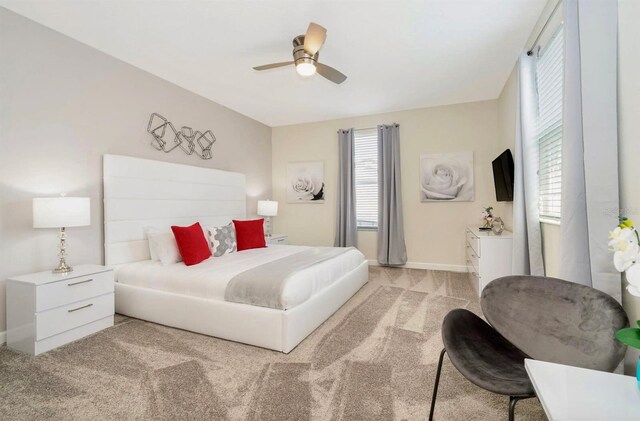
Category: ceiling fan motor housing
[300,55]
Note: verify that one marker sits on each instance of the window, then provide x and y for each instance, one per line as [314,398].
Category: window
[549,79]
[366,174]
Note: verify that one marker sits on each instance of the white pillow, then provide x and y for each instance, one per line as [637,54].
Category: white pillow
[163,247]
[148,232]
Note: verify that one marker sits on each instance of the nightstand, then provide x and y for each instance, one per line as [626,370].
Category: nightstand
[278,239]
[46,310]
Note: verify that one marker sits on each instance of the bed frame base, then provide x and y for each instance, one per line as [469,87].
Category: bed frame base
[280,330]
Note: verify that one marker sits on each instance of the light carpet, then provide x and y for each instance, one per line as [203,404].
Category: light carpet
[374,359]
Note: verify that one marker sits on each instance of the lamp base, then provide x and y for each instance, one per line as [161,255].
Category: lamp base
[268,221]
[63,268]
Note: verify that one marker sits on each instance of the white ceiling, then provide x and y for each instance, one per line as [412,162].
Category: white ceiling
[397,54]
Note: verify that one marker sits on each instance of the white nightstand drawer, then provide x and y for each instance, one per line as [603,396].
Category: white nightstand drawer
[70,290]
[473,242]
[57,320]
[277,239]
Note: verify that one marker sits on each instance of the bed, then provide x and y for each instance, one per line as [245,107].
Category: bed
[141,193]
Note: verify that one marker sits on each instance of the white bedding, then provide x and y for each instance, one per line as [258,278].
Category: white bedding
[209,279]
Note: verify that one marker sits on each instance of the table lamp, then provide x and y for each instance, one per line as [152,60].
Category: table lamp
[268,208]
[61,212]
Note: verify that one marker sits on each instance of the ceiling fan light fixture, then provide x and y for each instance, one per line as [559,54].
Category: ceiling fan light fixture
[305,69]
[306,50]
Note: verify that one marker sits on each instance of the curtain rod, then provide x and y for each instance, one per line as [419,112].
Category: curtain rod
[553,12]
[371,128]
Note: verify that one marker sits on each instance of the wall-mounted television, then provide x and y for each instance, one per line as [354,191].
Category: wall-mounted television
[503,176]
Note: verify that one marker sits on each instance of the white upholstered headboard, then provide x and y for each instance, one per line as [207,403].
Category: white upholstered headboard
[139,193]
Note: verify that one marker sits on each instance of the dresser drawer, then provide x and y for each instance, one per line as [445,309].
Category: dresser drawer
[279,240]
[473,242]
[67,317]
[70,290]
[472,258]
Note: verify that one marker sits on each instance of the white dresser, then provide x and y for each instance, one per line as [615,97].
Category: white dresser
[47,310]
[488,256]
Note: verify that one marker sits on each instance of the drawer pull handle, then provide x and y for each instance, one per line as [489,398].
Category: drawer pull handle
[79,308]
[80,282]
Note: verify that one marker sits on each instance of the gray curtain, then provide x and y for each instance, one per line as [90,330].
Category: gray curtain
[391,246]
[346,224]
[590,202]
[527,239]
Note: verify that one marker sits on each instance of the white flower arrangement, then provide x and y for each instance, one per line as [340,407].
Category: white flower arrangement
[624,241]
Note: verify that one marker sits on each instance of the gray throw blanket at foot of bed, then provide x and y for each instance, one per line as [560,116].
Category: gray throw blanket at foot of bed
[263,285]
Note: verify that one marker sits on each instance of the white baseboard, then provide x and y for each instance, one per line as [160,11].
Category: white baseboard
[3,338]
[430,266]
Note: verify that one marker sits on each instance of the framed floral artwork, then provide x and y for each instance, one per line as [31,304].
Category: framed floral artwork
[305,182]
[447,177]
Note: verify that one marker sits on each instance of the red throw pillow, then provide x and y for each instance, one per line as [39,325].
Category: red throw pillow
[250,234]
[192,244]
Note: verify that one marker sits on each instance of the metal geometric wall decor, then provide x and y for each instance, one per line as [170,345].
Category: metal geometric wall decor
[166,138]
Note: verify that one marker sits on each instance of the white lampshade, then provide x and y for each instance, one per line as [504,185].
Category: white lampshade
[267,208]
[59,212]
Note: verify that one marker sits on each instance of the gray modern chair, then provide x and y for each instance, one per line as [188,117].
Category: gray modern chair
[531,317]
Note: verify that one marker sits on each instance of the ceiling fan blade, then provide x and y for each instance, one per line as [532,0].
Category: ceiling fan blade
[314,38]
[330,73]
[273,65]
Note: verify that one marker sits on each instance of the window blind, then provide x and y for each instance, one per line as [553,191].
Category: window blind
[549,78]
[366,177]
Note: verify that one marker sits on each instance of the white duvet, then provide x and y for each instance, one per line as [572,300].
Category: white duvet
[209,279]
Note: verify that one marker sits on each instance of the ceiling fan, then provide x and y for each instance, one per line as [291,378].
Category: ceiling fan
[305,56]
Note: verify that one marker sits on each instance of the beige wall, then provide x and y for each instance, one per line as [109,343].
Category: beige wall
[551,249]
[434,231]
[62,106]
[629,133]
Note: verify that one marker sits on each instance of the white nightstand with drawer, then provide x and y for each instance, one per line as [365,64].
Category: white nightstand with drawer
[488,256]
[46,310]
[278,239]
